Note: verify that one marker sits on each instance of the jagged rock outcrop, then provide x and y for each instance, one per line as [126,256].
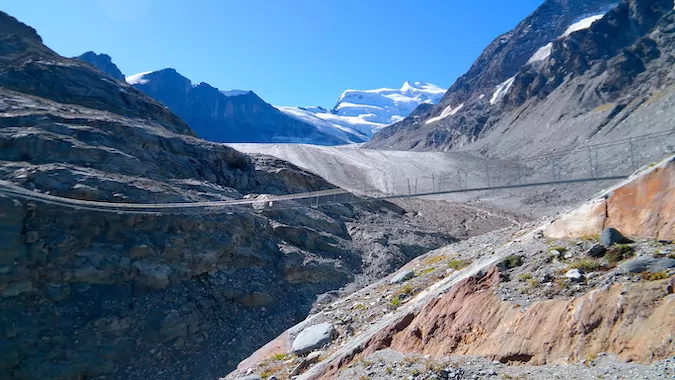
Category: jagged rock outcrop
[588,84]
[102,62]
[170,295]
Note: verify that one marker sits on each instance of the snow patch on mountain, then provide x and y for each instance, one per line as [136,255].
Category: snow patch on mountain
[545,51]
[501,90]
[582,24]
[138,78]
[448,111]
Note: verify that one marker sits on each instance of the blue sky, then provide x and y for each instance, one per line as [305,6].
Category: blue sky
[290,52]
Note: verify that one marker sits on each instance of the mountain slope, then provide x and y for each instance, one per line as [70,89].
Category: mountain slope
[474,92]
[108,292]
[366,111]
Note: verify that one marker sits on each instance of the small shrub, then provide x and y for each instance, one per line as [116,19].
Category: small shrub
[279,356]
[266,374]
[512,261]
[524,277]
[619,253]
[672,255]
[395,302]
[586,264]
[405,290]
[654,276]
[458,264]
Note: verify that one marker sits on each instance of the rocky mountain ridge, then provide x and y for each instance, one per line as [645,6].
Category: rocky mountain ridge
[513,78]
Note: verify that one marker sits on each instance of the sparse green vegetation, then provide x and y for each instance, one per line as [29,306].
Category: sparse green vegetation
[512,261]
[532,284]
[280,356]
[406,290]
[360,306]
[586,264]
[562,283]
[426,271]
[395,302]
[619,253]
[458,264]
[434,259]
[654,276]
[266,374]
[524,277]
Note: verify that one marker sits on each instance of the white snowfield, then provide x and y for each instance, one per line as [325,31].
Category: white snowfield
[364,112]
[354,169]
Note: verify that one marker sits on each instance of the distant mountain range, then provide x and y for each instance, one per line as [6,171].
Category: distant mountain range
[242,116]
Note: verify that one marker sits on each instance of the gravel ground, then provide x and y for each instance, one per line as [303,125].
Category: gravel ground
[389,364]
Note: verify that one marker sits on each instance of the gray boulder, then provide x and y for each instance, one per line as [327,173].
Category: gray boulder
[574,275]
[610,236]
[648,264]
[597,251]
[312,338]
[402,276]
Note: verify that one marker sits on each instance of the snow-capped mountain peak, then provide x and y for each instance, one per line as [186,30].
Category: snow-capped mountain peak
[361,113]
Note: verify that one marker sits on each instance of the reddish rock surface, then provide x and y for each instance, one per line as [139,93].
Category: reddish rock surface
[635,321]
[642,207]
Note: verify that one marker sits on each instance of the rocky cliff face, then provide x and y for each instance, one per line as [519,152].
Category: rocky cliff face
[172,295]
[102,62]
[227,116]
[556,69]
